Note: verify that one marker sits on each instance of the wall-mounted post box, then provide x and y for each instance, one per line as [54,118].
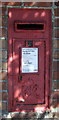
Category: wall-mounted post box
[29,58]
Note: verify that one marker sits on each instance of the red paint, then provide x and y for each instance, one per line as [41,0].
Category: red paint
[27,90]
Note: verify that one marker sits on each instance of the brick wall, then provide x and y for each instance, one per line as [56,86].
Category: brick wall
[4,53]
[55,60]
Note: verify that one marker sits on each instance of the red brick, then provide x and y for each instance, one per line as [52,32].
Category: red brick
[55,85]
[57,33]
[2,85]
[56,43]
[57,12]
[3,75]
[56,75]
[2,106]
[38,4]
[57,22]
[56,65]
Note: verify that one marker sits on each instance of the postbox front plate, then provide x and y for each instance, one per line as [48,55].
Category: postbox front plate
[29,80]
[28,58]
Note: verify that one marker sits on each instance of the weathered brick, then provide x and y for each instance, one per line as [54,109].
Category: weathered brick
[38,4]
[57,33]
[0,85]
[57,3]
[0,54]
[56,54]
[4,22]
[2,106]
[0,11]
[5,3]
[11,3]
[55,99]
[0,65]
[4,96]
[29,3]
[56,85]
[4,54]
[55,94]
[4,65]
[57,22]
[0,43]
[4,44]
[3,86]
[3,75]
[0,21]
[55,103]
[0,32]
[0,95]
[0,3]
[56,65]
[3,11]
[56,12]
[56,43]
[56,75]
[4,32]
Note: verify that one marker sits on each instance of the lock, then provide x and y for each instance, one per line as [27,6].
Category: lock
[20,78]
[30,43]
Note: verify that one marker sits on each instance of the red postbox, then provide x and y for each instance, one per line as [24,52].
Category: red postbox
[29,58]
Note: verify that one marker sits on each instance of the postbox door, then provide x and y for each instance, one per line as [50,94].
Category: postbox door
[28,73]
